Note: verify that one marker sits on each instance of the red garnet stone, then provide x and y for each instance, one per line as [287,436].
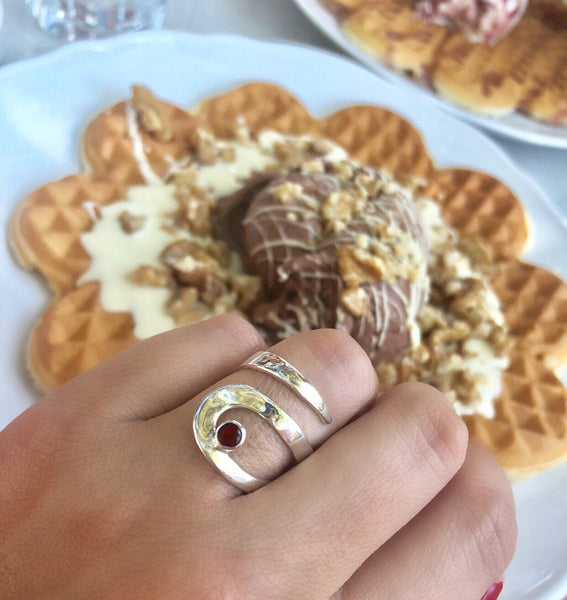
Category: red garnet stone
[229,434]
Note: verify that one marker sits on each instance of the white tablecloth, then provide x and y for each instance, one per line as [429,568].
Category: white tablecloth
[20,38]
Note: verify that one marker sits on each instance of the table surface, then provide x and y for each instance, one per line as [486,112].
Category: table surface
[20,38]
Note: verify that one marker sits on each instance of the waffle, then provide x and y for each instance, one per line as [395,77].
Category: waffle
[108,151]
[530,419]
[526,71]
[75,332]
[47,226]
[478,205]
[534,302]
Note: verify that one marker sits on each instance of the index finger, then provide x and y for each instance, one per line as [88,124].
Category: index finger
[160,373]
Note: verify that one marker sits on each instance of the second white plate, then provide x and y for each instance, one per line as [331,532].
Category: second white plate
[514,126]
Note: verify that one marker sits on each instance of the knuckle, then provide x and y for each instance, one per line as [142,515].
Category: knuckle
[440,435]
[337,353]
[238,326]
[491,527]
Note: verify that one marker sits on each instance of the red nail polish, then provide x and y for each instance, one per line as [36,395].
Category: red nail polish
[493,591]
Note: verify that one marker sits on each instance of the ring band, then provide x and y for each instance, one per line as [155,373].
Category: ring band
[277,367]
[206,430]
[217,438]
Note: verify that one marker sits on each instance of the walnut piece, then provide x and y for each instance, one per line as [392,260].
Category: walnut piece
[455,332]
[339,208]
[288,153]
[195,271]
[198,216]
[368,185]
[184,307]
[131,223]
[355,300]
[152,276]
[287,192]
[211,288]
[227,153]
[206,147]
[342,169]
[248,289]
[358,266]
[313,165]
[151,114]
[178,250]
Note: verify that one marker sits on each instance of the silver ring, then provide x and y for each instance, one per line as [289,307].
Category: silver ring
[215,445]
[277,367]
[217,438]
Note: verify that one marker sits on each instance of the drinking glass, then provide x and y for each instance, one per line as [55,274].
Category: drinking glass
[83,19]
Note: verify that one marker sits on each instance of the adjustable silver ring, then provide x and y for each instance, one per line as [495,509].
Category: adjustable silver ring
[215,445]
[218,438]
[278,367]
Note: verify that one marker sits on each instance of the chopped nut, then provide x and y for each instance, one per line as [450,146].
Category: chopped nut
[358,266]
[315,165]
[177,250]
[471,303]
[195,271]
[429,318]
[456,332]
[211,289]
[322,146]
[248,288]
[152,276]
[343,170]
[198,215]
[362,241]
[184,307]
[287,192]
[206,148]
[291,217]
[287,152]
[369,184]
[340,206]
[356,301]
[131,223]
[227,153]
[390,187]
[241,131]
[187,186]
[225,303]
[151,114]
[181,249]
[220,251]
[387,375]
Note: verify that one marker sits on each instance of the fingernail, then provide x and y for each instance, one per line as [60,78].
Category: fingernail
[493,591]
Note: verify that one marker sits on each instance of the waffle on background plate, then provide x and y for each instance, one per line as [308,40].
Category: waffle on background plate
[529,430]
[526,71]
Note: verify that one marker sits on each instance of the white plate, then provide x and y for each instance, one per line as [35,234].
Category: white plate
[46,102]
[514,125]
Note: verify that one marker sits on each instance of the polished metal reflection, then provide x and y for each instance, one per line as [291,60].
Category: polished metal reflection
[207,421]
[277,367]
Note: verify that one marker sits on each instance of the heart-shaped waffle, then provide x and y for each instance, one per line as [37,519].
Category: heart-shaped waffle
[75,332]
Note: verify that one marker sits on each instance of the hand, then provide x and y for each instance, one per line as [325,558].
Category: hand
[105,494]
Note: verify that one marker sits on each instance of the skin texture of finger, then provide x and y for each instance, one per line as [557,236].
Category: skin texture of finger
[330,360]
[454,549]
[336,508]
[169,368]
